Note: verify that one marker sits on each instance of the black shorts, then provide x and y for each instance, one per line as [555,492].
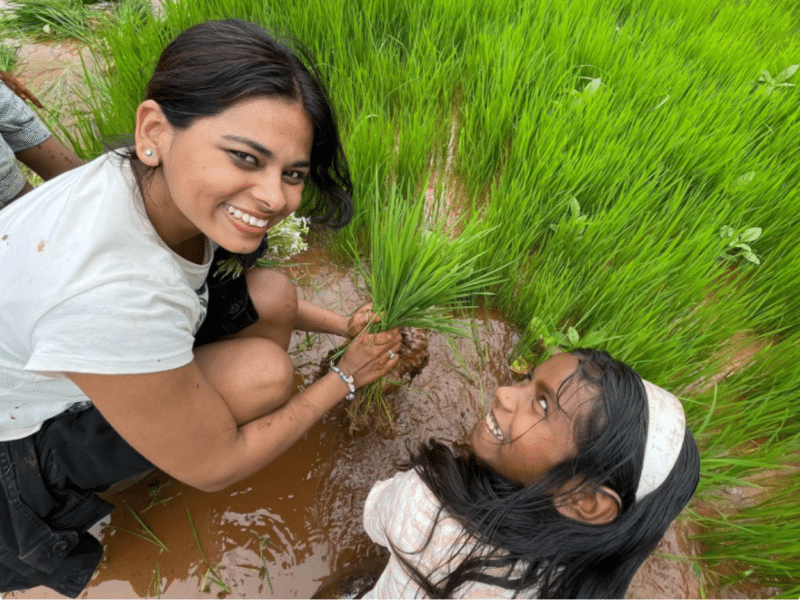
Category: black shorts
[47,499]
[230,309]
[49,480]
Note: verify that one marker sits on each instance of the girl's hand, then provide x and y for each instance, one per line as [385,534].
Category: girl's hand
[370,356]
[360,319]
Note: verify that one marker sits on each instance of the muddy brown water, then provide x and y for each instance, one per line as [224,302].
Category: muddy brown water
[299,519]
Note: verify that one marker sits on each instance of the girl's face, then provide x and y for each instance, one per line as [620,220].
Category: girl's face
[234,175]
[528,429]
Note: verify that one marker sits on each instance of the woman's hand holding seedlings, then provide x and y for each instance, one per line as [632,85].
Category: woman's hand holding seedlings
[370,356]
[361,319]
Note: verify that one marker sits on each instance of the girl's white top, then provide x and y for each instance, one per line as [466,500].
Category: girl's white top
[403,509]
[87,285]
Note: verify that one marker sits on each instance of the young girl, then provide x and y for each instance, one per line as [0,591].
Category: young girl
[568,484]
[103,288]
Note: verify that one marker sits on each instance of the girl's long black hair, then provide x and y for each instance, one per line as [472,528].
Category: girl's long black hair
[515,533]
[213,65]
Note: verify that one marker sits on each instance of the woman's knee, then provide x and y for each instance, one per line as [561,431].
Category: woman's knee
[274,296]
[273,370]
[253,375]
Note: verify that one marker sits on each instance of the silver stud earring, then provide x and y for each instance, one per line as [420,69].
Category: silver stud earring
[148,153]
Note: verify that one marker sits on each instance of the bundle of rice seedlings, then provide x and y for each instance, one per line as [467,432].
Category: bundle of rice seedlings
[421,270]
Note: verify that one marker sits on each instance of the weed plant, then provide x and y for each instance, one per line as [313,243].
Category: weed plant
[665,121]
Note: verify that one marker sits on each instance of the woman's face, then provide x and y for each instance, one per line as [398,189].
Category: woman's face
[528,429]
[234,175]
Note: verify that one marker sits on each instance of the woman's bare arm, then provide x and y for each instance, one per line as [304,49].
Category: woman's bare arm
[179,422]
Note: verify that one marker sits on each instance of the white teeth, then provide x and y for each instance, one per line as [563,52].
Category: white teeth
[491,422]
[243,216]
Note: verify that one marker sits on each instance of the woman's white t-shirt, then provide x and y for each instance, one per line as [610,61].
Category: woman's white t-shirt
[88,286]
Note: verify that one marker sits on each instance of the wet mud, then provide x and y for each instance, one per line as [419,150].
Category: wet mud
[283,531]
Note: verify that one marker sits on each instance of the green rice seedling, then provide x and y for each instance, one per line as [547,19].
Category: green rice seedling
[145,532]
[156,495]
[761,539]
[154,588]
[211,574]
[263,542]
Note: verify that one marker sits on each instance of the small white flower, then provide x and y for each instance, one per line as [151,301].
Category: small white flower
[290,238]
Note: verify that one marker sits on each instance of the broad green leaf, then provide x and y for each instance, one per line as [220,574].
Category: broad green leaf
[751,257]
[726,231]
[521,365]
[573,336]
[574,207]
[744,179]
[750,235]
[593,86]
[786,73]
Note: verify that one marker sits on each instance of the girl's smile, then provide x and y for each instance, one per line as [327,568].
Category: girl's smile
[529,427]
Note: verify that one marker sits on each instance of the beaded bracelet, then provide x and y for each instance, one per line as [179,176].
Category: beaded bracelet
[348,379]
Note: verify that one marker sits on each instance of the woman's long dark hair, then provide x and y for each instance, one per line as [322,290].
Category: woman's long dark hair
[211,66]
[526,544]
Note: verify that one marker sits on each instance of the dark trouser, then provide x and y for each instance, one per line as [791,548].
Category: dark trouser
[47,500]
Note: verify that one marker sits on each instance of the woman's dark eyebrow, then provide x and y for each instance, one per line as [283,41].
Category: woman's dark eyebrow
[262,150]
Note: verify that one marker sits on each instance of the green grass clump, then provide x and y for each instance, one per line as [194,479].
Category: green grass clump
[58,19]
[8,56]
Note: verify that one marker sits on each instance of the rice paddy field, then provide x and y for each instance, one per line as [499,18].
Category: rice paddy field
[615,173]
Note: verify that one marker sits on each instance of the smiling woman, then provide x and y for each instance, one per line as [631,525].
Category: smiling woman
[117,351]
[249,166]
